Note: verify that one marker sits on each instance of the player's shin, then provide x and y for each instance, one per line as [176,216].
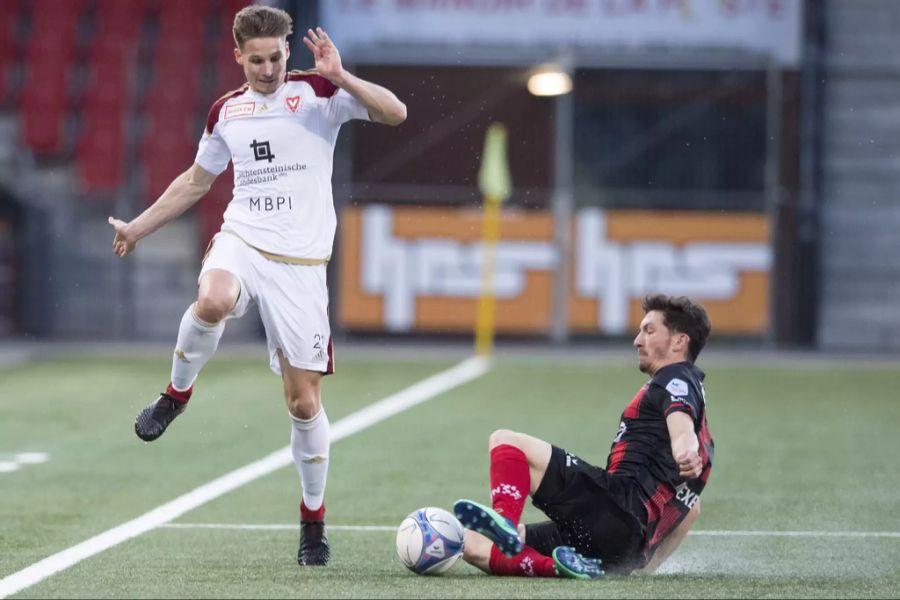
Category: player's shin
[197,342]
[310,443]
[510,481]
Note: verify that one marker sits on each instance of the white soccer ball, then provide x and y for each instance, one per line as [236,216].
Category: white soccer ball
[430,541]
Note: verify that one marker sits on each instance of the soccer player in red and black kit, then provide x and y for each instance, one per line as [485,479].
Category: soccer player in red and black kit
[630,516]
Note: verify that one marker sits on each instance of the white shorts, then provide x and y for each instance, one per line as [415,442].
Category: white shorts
[292,301]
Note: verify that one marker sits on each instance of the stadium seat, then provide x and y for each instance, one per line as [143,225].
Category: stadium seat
[58,17]
[99,154]
[43,130]
[228,75]
[213,205]
[7,62]
[174,88]
[53,30]
[161,169]
[181,35]
[167,149]
[228,8]
[120,20]
[43,104]
[179,10]
[107,88]
[9,11]
[9,19]
[45,80]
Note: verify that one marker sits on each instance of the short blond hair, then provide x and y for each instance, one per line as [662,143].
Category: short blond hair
[260,22]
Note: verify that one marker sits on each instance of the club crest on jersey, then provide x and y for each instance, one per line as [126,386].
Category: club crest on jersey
[293,103]
[677,387]
[244,109]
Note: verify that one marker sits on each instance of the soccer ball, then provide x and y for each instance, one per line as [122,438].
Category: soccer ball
[429,541]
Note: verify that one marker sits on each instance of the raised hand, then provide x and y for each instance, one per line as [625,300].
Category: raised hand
[328,59]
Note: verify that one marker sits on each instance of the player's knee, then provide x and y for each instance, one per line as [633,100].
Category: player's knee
[302,408]
[503,437]
[212,309]
[304,403]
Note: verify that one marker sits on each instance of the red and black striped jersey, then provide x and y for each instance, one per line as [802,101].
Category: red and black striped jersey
[642,449]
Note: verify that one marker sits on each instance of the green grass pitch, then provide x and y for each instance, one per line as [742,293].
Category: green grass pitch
[800,447]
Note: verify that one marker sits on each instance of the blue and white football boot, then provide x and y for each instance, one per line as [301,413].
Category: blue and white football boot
[490,524]
[570,564]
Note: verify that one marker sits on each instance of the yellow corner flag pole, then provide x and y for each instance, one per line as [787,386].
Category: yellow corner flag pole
[495,185]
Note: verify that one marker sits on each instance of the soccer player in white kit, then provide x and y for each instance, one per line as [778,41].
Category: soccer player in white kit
[279,129]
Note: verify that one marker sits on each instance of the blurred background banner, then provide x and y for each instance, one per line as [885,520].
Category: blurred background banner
[743,151]
[769,26]
[418,270]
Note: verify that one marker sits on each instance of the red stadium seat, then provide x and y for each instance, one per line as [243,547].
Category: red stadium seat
[45,83]
[43,130]
[99,154]
[7,62]
[174,88]
[120,20]
[53,30]
[182,20]
[111,66]
[228,74]
[9,10]
[43,104]
[179,10]
[161,169]
[213,205]
[167,149]
[228,8]
[55,19]
[106,90]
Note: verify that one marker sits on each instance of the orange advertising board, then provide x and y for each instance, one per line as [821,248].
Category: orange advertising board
[405,269]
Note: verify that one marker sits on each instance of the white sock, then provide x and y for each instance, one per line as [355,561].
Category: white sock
[197,342]
[310,442]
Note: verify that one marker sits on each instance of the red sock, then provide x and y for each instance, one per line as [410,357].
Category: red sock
[527,563]
[312,515]
[510,481]
[179,396]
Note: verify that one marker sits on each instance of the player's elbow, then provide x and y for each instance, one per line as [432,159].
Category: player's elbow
[396,116]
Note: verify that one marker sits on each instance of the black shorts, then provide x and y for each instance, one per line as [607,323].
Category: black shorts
[590,510]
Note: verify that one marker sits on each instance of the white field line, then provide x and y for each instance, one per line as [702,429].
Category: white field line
[417,393]
[275,527]
[835,534]
[705,532]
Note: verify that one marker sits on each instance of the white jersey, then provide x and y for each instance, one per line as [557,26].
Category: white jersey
[282,146]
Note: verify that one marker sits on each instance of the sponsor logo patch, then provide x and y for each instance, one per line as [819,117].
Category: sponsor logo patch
[293,103]
[677,387]
[244,109]
[262,151]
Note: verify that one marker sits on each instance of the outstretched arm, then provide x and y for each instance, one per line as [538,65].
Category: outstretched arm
[685,445]
[685,451]
[181,194]
[382,104]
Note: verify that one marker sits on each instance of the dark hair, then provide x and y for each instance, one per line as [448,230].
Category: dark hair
[684,316]
[260,22]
